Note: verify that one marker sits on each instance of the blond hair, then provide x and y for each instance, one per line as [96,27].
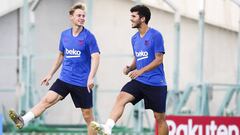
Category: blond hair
[78,5]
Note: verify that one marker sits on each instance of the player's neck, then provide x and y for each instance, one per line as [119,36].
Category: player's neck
[76,30]
[143,30]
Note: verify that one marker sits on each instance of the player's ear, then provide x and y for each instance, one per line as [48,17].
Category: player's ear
[143,19]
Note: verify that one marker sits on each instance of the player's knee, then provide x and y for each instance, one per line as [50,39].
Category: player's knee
[87,115]
[47,101]
[160,117]
[122,98]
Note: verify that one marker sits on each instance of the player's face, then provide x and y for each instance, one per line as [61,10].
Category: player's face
[78,18]
[136,20]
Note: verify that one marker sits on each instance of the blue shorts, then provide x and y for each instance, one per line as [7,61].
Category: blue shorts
[154,96]
[80,95]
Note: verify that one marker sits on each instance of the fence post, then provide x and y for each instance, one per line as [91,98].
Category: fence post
[1,124]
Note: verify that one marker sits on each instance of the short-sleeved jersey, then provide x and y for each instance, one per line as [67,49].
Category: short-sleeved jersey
[77,56]
[144,49]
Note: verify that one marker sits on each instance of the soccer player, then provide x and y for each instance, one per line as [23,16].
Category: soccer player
[147,74]
[79,56]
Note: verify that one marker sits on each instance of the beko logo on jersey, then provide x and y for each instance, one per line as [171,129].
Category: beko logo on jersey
[141,55]
[72,53]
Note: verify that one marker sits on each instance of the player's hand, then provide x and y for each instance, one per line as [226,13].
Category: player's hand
[135,73]
[126,70]
[45,80]
[90,84]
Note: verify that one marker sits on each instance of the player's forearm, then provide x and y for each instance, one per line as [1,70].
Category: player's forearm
[155,63]
[94,64]
[56,64]
[133,65]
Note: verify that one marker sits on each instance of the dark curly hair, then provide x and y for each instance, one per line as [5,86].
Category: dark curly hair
[143,11]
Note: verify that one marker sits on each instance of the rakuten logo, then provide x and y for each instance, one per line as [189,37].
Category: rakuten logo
[72,53]
[197,129]
[141,55]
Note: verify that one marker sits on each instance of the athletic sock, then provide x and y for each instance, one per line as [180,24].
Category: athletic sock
[28,117]
[110,123]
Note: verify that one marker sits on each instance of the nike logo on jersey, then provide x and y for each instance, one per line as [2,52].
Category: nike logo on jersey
[72,53]
[141,55]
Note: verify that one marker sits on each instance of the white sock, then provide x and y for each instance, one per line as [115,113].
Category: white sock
[110,123]
[28,117]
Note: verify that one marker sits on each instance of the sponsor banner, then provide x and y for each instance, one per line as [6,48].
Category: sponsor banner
[203,125]
[1,124]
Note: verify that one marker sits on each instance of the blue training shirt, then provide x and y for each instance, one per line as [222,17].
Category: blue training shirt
[144,49]
[77,56]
